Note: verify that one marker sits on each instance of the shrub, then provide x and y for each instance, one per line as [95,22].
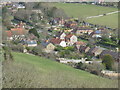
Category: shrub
[108,61]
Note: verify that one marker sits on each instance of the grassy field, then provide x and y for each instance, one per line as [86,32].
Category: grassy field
[37,72]
[83,11]
[110,20]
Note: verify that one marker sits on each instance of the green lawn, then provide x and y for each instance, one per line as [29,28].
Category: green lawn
[83,11]
[34,71]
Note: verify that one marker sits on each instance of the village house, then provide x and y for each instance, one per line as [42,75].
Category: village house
[56,21]
[96,34]
[84,49]
[58,41]
[68,30]
[9,35]
[30,43]
[61,22]
[82,30]
[96,51]
[48,47]
[78,44]
[70,39]
[70,24]
[61,35]
[90,51]
[17,32]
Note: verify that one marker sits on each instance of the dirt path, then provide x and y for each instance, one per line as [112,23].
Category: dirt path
[102,15]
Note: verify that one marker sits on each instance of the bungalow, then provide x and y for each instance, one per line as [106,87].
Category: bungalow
[78,44]
[48,47]
[58,41]
[70,39]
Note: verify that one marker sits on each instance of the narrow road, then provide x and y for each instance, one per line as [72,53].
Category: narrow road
[102,15]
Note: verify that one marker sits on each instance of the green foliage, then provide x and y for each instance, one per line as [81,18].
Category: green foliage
[17,47]
[6,17]
[59,48]
[34,17]
[23,15]
[94,68]
[34,31]
[16,41]
[37,50]
[108,61]
[70,48]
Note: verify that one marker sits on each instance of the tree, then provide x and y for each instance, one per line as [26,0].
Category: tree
[34,17]
[37,50]
[6,17]
[7,53]
[29,5]
[23,15]
[108,61]
[79,65]
[58,13]
[34,31]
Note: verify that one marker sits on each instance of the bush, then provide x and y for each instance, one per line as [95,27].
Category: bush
[59,48]
[34,31]
[17,48]
[37,50]
[94,68]
[108,61]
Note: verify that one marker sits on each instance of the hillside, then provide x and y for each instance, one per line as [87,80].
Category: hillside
[33,71]
[82,11]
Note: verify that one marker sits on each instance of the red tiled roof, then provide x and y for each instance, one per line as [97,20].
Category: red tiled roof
[9,33]
[55,40]
[80,43]
[19,31]
[69,36]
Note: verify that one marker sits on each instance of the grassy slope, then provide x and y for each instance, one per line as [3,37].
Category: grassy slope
[83,11]
[47,73]
[110,20]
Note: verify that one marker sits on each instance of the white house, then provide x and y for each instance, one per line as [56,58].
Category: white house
[62,36]
[58,41]
[71,39]
[63,44]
